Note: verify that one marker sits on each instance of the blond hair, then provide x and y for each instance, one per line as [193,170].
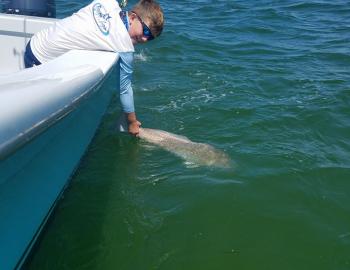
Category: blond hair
[150,11]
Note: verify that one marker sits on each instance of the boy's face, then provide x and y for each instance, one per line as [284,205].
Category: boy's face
[136,29]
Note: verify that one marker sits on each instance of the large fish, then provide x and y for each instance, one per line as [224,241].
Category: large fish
[195,153]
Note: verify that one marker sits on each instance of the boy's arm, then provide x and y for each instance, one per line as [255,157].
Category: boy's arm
[126,92]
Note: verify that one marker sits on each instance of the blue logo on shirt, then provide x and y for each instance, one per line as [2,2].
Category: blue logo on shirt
[101,18]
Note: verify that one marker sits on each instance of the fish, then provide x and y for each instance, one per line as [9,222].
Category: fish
[201,154]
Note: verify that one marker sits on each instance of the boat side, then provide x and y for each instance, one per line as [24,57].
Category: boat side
[48,116]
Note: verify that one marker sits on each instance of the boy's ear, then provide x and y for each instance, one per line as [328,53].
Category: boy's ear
[132,16]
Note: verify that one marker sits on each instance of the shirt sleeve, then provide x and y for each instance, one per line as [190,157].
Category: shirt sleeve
[126,92]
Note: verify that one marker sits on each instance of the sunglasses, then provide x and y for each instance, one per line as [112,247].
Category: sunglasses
[146,31]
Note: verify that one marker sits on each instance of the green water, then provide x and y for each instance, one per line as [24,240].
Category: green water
[267,82]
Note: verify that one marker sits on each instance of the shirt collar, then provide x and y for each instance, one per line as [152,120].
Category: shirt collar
[125,18]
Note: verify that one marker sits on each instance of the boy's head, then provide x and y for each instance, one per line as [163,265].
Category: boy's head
[150,15]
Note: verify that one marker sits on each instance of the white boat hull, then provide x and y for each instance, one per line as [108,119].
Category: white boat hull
[48,116]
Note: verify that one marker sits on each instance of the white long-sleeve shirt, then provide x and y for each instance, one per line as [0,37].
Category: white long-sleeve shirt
[97,26]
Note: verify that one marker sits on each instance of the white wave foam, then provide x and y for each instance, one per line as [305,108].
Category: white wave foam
[141,56]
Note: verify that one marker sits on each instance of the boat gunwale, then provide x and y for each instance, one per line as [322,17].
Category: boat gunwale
[11,146]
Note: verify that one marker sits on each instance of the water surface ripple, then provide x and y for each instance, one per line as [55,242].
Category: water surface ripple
[267,82]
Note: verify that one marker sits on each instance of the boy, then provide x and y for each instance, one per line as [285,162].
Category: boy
[102,26]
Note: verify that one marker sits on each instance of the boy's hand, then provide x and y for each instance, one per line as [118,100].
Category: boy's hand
[134,128]
[134,124]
